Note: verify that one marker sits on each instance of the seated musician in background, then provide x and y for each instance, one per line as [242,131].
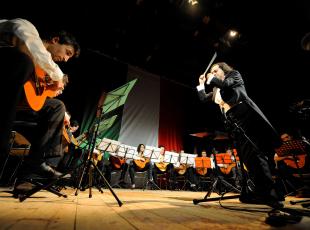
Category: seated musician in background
[192,177]
[132,166]
[21,50]
[202,169]
[97,157]
[58,160]
[161,167]
[289,164]
[102,161]
[284,137]
[129,166]
[187,170]
[235,170]
[69,130]
[69,143]
[74,126]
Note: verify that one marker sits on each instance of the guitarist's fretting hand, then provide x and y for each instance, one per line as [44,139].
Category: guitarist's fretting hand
[67,119]
[59,86]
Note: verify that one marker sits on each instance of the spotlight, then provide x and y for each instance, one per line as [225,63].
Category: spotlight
[230,37]
[193,2]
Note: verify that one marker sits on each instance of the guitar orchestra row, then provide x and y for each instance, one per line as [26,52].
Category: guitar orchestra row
[182,170]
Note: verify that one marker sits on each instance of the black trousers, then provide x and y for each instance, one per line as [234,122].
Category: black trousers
[46,141]
[258,158]
[131,168]
[16,68]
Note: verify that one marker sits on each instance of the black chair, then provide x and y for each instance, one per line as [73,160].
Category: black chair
[19,147]
[24,125]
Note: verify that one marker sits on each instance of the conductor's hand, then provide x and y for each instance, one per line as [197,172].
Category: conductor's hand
[202,79]
[209,75]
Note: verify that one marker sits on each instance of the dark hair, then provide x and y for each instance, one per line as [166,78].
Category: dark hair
[74,123]
[225,67]
[65,38]
[139,147]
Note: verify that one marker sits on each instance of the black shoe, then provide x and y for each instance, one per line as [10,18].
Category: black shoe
[251,198]
[278,218]
[193,188]
[48,171]
[21,187]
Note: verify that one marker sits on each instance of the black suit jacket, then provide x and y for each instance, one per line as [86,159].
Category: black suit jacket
[233,91]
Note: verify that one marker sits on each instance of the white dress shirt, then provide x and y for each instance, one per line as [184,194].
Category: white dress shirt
[28,35]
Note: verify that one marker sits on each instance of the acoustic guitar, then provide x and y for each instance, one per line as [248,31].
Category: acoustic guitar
[96,156]
[227,168]
[181,170]
[162,166]
[297,161]
[202,171]
[293,153]
[117,162]
[68,136]
[140,164]
[38,89]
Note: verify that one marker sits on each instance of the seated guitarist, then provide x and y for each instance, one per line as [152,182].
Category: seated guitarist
[70,156]
[21,50]
[236,174]
[134,165]
[287,165]
[159,168]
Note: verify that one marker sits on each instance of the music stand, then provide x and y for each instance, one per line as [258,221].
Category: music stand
[126,152]
[187,158]
[108,145]
[172,158]
[202,162]
[218,180]
[89,167]
[103,126]
[111,101]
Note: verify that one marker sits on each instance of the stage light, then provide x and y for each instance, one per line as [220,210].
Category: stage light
[233,33]
[192,2]
[230,37]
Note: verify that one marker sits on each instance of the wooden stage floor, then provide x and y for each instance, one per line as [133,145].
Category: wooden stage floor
[147,209]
